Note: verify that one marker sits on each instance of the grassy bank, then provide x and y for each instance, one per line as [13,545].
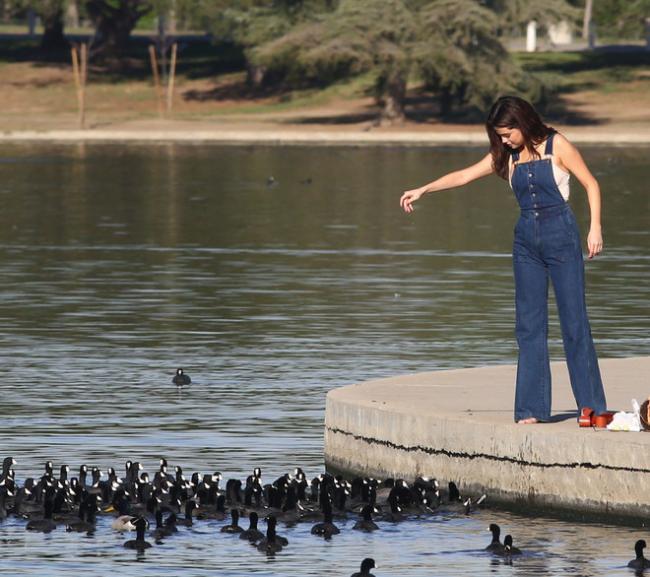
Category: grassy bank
[583,88]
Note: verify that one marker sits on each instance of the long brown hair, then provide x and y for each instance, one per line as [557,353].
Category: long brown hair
[514,112]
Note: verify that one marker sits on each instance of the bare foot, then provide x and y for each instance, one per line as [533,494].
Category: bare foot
[528,421]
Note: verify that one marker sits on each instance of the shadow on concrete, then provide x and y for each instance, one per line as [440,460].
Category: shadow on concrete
[564,416]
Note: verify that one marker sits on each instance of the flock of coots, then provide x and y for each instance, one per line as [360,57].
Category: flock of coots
[172,501]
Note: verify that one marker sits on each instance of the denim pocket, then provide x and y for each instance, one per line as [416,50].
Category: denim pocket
[570,224]
[561,238]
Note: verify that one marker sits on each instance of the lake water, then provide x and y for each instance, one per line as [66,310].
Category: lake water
[272,275]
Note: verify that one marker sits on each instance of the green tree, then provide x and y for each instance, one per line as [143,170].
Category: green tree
[114,21]
[451,46]
[51,13]
[459,55]
[252,23]
[621,18]
[359,36]
[517,13]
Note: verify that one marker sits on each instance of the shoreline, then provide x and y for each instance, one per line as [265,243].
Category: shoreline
[298,137]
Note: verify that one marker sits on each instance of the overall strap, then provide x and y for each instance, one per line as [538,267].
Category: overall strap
[548,150]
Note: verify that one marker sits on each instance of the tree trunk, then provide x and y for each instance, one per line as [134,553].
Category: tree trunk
[53,37]
[6,11]
[255,75]
[392,99]
[586,20]
[72,15]
[114,23]
[446,100]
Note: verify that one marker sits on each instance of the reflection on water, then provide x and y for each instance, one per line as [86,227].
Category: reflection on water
[122,263]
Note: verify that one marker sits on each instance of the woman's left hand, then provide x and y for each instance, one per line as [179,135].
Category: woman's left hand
[594,242]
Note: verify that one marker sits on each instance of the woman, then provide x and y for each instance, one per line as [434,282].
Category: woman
[537,160]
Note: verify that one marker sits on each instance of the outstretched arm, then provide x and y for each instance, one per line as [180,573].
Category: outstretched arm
[571,159]
[450,180]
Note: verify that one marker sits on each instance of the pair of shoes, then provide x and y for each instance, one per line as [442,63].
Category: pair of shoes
[588,418]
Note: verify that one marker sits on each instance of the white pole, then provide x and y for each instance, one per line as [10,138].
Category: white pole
[586,20]
[531,36]
[592,34]
[31,22]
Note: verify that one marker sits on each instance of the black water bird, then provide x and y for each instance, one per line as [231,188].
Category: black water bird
[400,498]
[220,509]
[138,543]
[326,528]
[166,528]
[95,482]
[252,534]
[190,505]
[314,490]
[358,492]
[471,505]
[159,532]
[233,491]
[272,543]
[3,502]
[162,477]
[508,548]
[77,525]
[7,463]
[170,524]
[83,475]
[87,516]
[366,523]
[495,545]
[395,515]
[454,493]
[640,563]
[291,511]
[181,379]
[24,501]
[366,565]
[384,490]
[464,503]
[63,475]
[218,513]
[253,493]
[46,524]
[300,485]
[203,488]
[7,471]
[46,482]
[340,493]
[234,526]
[63,510]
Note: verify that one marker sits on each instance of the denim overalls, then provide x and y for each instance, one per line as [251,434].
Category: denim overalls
[547,243]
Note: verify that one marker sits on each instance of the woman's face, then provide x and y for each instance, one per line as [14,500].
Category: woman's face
[511,137]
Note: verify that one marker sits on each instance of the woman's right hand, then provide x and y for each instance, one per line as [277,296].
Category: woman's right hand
[409,197]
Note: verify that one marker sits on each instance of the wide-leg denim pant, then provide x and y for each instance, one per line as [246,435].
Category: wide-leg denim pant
[547,244]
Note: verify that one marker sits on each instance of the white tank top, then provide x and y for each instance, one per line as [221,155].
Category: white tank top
[561,176]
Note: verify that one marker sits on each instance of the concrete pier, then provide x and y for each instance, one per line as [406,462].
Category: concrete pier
[458,425]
